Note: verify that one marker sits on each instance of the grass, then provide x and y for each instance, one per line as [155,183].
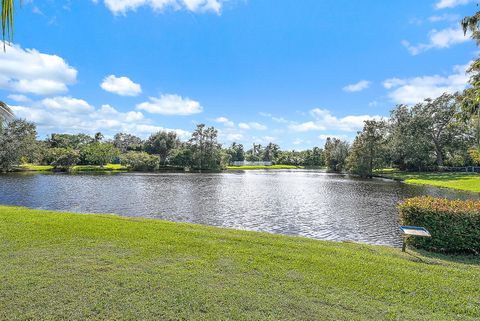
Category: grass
[76,168]
[461,181]
[35,168]
[104,267]
[250,167]
[97,168]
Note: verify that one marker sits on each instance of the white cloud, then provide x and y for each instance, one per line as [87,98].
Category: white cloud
[71,115]
[324,120]
[280,120]
[29,71]
[67,104]
[171,105]
[438,39]
[123,6]
[444,17]
[234,137]
[413,90]
[225,121]
[252,125]
[359,86]
[19,98]
[443,4]
[122,86]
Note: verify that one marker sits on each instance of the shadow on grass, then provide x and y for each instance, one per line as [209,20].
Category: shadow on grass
[441,176]
[437,258]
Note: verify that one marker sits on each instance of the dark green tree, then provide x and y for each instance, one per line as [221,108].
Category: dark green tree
[368,149]
[336,153]
[98,153]
[127,142]
[17,140]
[161,144]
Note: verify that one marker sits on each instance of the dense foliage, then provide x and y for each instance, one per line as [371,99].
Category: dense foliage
[454,224]
[17,139]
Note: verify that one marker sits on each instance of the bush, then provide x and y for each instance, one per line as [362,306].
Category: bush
[454,224]
[139,161]
[62,157]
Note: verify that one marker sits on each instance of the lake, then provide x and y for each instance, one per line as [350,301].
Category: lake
[294,202]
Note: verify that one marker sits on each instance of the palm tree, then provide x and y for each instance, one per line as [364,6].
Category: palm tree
[6,19]
[6,114]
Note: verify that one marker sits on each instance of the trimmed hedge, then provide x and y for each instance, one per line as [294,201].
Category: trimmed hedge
[454,224]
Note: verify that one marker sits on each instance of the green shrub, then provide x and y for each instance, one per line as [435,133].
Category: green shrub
[139,161]
[61,157]
[453,224]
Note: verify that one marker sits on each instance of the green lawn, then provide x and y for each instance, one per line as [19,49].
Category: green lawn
[97,168]
[461,181]
[76,168]
[72,266]
[36,168]
[249,167]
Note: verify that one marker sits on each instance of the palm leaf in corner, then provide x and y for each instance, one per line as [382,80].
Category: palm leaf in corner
[6,19]
[6,114]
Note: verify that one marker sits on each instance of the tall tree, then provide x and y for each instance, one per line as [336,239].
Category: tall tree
[206,151]
[471,96]
[409,145]
[440,122]
[17,140]
[236,152]
[161,144]
[127,142]
[271,152]
[98,153]
[336,152]
[368,149]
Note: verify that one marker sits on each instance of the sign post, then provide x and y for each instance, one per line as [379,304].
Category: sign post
[412,231]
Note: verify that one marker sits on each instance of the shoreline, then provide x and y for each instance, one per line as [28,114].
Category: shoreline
[460,181]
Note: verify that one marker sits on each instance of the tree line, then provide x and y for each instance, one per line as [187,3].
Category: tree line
[164,149]
[429,135]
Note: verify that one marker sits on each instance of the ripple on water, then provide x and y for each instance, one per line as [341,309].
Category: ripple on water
[301,202]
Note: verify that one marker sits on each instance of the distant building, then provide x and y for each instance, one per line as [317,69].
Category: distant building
[247,163]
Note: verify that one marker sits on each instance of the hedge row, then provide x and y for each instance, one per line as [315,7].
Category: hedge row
[453,224]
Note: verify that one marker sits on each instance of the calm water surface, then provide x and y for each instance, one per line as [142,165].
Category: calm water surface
[300,202]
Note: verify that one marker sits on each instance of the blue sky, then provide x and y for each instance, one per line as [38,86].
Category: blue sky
[291,72]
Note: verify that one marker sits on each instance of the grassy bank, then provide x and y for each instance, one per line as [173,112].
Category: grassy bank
[34,168]
[96,168]
[250,167]
[461,181]
[76,168]
[71,266]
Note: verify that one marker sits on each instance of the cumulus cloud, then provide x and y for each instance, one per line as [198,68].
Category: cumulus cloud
[19,98]
[359,86]
[67,105]
[443,4]
[123,6]
[324,120]
[225,121]
[438,39]
[72,115]
[444,17]
[171,105]
[252,125]
[413,90]
[122,86]
[29,71]
[280,120]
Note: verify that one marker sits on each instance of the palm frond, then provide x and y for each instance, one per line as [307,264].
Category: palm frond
[6,114]
[6,17]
